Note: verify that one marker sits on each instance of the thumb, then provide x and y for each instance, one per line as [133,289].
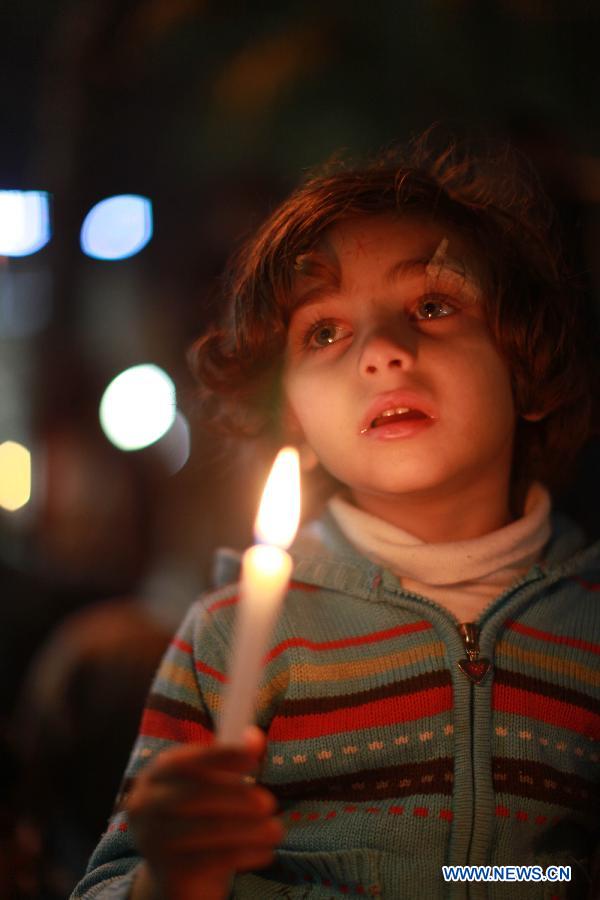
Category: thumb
[255,742]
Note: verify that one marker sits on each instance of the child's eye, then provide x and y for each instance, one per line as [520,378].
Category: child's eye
[322,334]
[433,307]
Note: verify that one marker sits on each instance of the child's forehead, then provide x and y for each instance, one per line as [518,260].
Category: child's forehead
[409,245]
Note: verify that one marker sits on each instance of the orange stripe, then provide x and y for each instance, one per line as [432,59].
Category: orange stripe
[553,638]
[177,675]
[372,638]
[566,666]
[360,668]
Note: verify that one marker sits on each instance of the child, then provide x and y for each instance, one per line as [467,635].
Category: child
[432,691]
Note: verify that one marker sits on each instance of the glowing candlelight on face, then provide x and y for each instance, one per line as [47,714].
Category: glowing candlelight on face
[266,570]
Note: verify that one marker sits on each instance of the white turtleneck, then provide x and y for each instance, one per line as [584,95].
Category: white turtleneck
[463,576]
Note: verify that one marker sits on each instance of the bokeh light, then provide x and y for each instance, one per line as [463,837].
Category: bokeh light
[15,475]
[24,222]
[138,407]
[117,227]
[175,446]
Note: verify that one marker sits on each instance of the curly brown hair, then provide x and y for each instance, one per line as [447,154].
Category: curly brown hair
[534,307]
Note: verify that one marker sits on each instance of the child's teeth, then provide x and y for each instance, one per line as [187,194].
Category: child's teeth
[397,411]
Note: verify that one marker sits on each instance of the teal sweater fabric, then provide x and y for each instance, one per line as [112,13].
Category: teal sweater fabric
[387,760]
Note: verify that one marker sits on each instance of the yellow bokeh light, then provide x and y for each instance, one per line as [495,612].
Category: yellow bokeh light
[15,475]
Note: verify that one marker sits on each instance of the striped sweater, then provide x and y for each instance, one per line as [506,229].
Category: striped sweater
[387,759]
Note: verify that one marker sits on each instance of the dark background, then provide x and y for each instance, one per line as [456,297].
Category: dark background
[213,111]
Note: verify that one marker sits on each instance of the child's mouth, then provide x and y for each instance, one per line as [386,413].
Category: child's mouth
[397,414]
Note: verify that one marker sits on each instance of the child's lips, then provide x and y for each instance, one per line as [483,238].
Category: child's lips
[397,412]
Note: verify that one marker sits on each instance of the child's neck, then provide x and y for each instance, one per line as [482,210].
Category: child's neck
[435,519]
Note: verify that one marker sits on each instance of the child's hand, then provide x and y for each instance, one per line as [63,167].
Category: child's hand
[196,822]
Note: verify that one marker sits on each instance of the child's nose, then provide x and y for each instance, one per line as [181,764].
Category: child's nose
[383,352]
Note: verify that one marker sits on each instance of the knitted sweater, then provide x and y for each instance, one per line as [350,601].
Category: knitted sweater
[387,760]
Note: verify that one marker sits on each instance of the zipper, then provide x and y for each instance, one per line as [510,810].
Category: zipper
[473,666]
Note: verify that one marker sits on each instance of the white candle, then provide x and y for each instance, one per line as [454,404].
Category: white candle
[266,570]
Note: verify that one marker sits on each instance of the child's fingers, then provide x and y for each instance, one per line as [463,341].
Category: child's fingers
[197,776]
[194,779]
[192,806]
[172,841]
[194,760]
[180,798]
[178,839]
[255,741]
[250,860]
[250,802]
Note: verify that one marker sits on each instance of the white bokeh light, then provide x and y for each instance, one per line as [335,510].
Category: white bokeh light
[117,227]
[138,407]
[175,445]
[24,222]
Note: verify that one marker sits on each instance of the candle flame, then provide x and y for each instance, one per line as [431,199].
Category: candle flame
[279,511]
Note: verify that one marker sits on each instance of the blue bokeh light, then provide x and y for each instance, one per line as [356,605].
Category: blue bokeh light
[117,227]
[24,222]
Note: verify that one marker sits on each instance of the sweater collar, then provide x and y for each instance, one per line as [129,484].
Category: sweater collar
[497,556]
[325,558]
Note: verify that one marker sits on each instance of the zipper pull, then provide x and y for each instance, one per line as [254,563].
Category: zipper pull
[474,667]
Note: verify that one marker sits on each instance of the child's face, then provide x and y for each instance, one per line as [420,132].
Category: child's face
[377,333]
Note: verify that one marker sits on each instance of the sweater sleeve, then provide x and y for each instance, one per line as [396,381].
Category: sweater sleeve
[179,709]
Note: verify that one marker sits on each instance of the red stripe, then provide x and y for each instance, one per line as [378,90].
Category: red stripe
[545,709]
[220,604]
[160,725]
[200,666]
[208,670]
[372,638]
[302,586]
[553,638]
[588,585]
[231,601]
[379,713]
[182,645]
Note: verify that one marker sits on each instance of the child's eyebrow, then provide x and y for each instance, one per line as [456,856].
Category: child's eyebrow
[422,264]
[407,267]
[330,282]
[319,267]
